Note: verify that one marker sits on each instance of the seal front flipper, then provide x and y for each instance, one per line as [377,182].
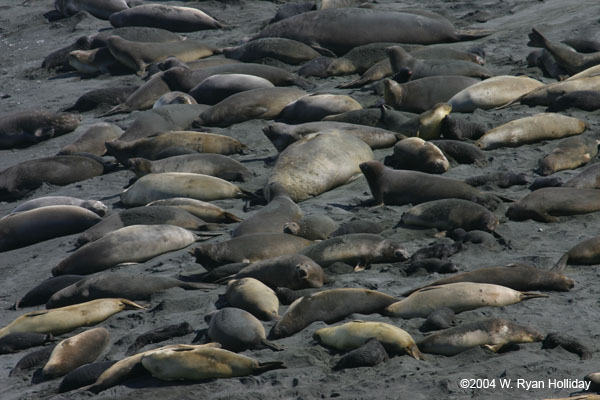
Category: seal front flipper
[42,134]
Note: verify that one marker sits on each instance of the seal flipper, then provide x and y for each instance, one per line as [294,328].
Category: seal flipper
[472,34]
[268,366]
[271,345]
[560,265]
[118,109]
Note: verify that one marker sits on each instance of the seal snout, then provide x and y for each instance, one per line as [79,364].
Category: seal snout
[401,254]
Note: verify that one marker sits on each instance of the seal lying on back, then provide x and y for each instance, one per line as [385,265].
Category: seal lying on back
[24,128]
[393,187]
[547,204]
[172,18]
[492,333]
[340,30]
[329,306]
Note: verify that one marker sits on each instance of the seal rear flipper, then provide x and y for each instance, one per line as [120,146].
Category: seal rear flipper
[271,345]
[494,347]
[414,352]
[536,39]
[531,295]
[42,134]
[201,335]
[560,265]
[118,109]
[196,285]
[268,366]
[232,217]
[354,84]
[224,280]
[473,34]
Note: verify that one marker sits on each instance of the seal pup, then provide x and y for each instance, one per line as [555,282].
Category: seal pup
[501,179]
[175,97]
[92,99]
[312,227]
[14,342]
[547,204]
[352,335]
[416,154]
[586,179]
[315,107]
[587,100]
[76,351]
[82,376]
[42,292]
[99,9]
[368,355]
[25,128]
[461,152]
[493,333]
[567,342]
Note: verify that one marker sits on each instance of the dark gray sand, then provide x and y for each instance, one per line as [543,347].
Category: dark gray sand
[26,37]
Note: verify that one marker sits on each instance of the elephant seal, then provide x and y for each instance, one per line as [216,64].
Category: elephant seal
[175,97]
[416,154]
[198,141]
[171,18]
[569,343]
[20,179]
[516,276]
[201,209]
[91,63]
[588,178]
[315,107]
[203,363]
[329,306]
[312,227]
[99,9]
[423,94]
[93,205]
[218,87]
[285,50]
[237,330]
[493,333]
[92,99]
[14,342]
[76,351]
[378,71]
[167,185]
[272,217]
[403,187]
[24,128]
[82,376]
[293,271]
[461,296]
[44,223]
[426,125]
[587,100]
[32,360]
[352,335]
[66,319]
[449,214]
[544,126]
[384,117]
[457,128]
[547,204]
[41,293]
[493,92]
[334,161]
[93,140]
[264,103]
[282,135]
[135,243]
[216,165]
[359,249]
[439,250]
[340,30]
[501,179]
[248,248]
[253,296]
[442,318]
[358,226]
[400,58]
[288,296]
[117,285]
[368,355]
[584,253]
[361,58]
[546,94]
[461,152]
[159,335]
[570,153]
[137,56]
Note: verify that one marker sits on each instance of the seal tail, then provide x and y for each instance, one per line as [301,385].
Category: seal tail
[268,366]
[532,295]
[472,34]
[561,264]
[271,345]
[118,109]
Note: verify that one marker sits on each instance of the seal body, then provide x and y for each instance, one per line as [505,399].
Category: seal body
[318,106]
[201,209]
[172,18]
[570,153]
[416,154]
[99,9]
[312,227]
[449,214]
[93,139]
[237,330]
[93,205]
[24,128]
[547,204]
[285,50]
[218,87]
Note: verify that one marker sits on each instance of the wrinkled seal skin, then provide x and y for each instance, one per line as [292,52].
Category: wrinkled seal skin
[403,187]
[318,163]
[24,128]
[547,204]
[329,306]
[172,18]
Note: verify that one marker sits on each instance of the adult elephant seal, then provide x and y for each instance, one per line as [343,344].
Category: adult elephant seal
[175,97]
[93,140]
[493,333]
[587,100]
[93,205]
[285,50]
[272,217]
[588,178]
[459,297]
[24,128]
[131,244]
[547,204]
[76,351]
[216,165]
[318,163]
[352,335]
[248,248]
[359,249]
[293,271]
[416,154]
[237,330]
[400,58]
[329,306]
[544,126]
[44,223]
[66,319]
[570,153]
[393,187]
[99,9]
[253,296]
[201,209]
[265,103]
[318,106]
[218,87]
[20,179]
[584,253]
[117,285]
[171,18]
[340,30]
[449,214]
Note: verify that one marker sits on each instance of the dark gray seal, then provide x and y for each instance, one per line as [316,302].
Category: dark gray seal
[369,354]
[547,204]
[24,128]
[93,205]
[461,152]
[41,293]
[449,214]
[110,96]
[458,128]
[312,227]
[285,50]
[358,226]
[218,87]
[501,179]
[172,18]
[83,376]
[586,100]
[99,9]
[93,139]
[15,342]
[159,335]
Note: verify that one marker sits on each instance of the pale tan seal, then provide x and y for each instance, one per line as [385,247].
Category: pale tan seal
[93,139]
[416,154]
[253,296]
[570,153]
